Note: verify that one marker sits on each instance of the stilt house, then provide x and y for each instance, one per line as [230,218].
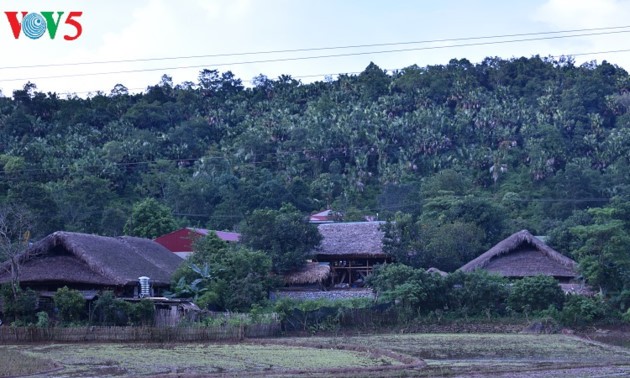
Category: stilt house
[352,250]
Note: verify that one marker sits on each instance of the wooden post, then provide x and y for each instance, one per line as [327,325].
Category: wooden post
[349,272]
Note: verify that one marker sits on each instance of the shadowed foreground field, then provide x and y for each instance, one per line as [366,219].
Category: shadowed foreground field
[396,355]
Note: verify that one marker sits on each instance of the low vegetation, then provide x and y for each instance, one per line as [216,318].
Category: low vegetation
[17,363]
[389,355]
[106,360]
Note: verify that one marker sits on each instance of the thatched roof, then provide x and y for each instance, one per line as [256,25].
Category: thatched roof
[352,239]
[522,255]
[312,273]
[91,259]
[437,271]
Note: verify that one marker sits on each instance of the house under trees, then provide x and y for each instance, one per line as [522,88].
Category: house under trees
[352,250]
[524,255]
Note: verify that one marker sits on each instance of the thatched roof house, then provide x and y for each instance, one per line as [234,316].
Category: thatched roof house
[87,262]
[522,255]
[352,239]
[311,274]
[352,249]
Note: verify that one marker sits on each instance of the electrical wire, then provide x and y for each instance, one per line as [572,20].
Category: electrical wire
[358,72]
[293,59]
[315,48]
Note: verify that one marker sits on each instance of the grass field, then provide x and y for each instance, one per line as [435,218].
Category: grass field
[15,363]
[394,355]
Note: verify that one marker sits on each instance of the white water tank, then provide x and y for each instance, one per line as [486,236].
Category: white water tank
[145,286]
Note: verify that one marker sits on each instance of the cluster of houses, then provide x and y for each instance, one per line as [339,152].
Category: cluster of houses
[345,257]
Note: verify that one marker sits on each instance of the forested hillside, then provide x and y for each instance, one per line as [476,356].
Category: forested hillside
[464,153]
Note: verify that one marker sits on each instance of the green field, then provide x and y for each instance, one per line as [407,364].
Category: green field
[393,355]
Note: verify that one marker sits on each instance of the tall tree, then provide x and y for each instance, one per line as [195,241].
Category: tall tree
[227,277]
[15,234]
[603,255]
[150,219]
[283,234]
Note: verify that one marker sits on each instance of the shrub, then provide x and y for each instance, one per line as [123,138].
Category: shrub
[308,314]
[535,294]
[413,290]
[476,293]
[219,277]
[142,313]
[316,314]
[20,309]
[111,311]
[209,300]
[42,320]
[70,304]
[621,301]
[580,310]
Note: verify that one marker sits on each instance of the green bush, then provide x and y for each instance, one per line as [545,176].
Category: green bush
[111,311]
[476,293]
[70,304]
[580,310]
[43,321]
[535,294]
[142,313]
[621,301]
[208,301]
[414,291]
[20,309]
[221,277]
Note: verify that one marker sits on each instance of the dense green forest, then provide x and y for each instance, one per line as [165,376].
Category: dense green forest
[461,155]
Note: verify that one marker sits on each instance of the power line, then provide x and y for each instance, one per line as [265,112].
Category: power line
[358,72]
[223,55]
[290,59]
[594,53]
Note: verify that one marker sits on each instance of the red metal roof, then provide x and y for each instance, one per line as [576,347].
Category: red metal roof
[182,240]
[326,216]
[223,235]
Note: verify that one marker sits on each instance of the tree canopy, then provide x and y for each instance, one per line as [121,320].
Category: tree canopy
[150,219]
[283,234]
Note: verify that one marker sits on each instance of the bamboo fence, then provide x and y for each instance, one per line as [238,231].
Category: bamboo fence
[137,334]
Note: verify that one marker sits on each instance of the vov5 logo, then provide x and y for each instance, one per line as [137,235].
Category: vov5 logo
[34,25]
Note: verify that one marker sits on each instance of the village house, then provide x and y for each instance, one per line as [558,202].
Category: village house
[523,255]
[351,250]
[92,263]
[132,268]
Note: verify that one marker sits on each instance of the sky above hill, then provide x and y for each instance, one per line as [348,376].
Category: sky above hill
[135,42]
